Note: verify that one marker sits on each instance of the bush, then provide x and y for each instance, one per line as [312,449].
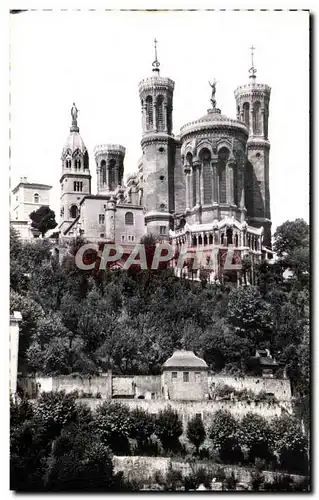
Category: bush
[255,435]
[197,477]
[114,424]
[224,434]
[168,428]
[196,432]
[142,427]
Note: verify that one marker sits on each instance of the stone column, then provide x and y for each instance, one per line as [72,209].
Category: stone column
[187,186]
[262,124]
[198,183]
[165,116]
[241,186]
[154,114]
[193,188]
[251,120]
[215,180]
[230,181]
[201,177]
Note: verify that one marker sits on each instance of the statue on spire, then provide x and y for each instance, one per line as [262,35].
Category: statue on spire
[74,113]
[213,86]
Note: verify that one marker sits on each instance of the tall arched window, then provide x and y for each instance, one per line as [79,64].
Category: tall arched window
[160,112]
[111,169]
[68,163]
[103,171]
[205,158]
[36,198]
[223,155]
[246,113]
[86,160]
[149,112]
[129,219]
[257,118]
[77,163]
[229,236]
[74,211]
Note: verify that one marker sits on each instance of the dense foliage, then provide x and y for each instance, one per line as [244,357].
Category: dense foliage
[85,322]
[59,444]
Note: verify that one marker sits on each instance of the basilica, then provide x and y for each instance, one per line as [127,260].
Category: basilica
[207,187]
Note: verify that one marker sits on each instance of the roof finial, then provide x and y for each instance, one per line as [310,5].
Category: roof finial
[74,114]
[252,70]
[155,63]
[213,86]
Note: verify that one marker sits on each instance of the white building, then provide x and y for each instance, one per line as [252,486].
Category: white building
[27,197]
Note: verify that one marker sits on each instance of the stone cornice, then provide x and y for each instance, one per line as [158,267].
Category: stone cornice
[257,143]
[156,82]
[156,137]
[116,149]
[249,89]
[196,127]
[78,176]
[158,216]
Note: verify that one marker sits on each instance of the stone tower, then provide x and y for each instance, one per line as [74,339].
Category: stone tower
[158,145]
[75,180]
[252,102]
[109,167]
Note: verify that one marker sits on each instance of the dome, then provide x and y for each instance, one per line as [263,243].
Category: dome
[185,359]
[213,120]
[74,142]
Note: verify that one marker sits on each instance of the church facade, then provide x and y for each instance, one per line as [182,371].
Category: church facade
[206,188]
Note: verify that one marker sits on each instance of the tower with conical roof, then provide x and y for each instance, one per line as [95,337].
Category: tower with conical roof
[252,100]
[75,180]
[158,145]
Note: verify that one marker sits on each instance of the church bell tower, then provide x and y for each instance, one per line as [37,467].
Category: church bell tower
[75,180]
[158,145]
[252,100]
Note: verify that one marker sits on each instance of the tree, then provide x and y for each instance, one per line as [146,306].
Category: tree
[79,462]
[290,443]
[143,426]
[291,235]
[43,219]
[256,436]
[250,315]
[54,410]
[224,434]
[114,424]
[169,428]
[196,432]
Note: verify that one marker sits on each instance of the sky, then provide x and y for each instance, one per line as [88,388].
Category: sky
[97,58]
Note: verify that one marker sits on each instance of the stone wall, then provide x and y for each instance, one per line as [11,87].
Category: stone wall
[206,409]
[281,388]
[88,385]
[143,468]
[194,388]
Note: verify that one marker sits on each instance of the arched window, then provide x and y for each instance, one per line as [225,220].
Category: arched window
[256,118]
[36,198]
[78,163]
[223,155]
[149,112]
[74,211]
[205,157]
[229,236]
[169,115]
[112,164]
[129,219]
[236,240]
[86,160]
[160,112]
[103,171]
[246,113]
[68,163]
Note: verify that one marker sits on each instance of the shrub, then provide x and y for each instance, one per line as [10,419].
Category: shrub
[142,426]
[169,427]
[224,434]
[255,434]
[114,425]
[196,432]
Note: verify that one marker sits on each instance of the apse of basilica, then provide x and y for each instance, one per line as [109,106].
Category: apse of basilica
[207,187]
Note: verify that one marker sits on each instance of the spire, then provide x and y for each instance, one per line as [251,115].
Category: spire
[156,63]
[252,70]
[74,114]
